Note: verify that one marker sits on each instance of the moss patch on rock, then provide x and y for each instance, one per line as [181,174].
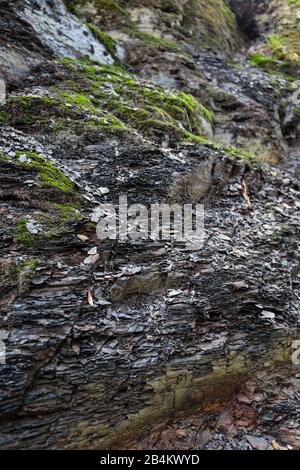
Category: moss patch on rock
[108,41]
[50,225]
[212,22]
[49,174]
[53,199]
[149,39]
[91,95]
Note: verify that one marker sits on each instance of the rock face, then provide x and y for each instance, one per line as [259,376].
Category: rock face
[33,30]
[188,46]
[104,339]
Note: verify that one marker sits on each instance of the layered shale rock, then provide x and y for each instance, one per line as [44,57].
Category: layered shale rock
[103,338]
[188,46]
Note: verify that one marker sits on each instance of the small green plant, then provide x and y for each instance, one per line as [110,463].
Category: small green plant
[261,60]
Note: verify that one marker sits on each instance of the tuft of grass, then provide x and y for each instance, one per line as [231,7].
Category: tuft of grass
[261,60]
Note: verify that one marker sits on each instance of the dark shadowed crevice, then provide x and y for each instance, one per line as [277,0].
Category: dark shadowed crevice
[246,12]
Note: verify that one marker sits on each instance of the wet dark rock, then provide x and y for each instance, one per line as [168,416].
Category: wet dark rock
[105,340]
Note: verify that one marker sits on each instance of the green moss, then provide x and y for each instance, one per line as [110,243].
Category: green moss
[67,212]
[71,5]
[4,157]
[122,101]
[241,154]
[110,99]
[49,174]
[108,42]
[30,110]
[24,267]
[54,223]
[110,5]
[101,5]
[109,122]
[151,40]
[210,21]
[3,116]
[195,139]
[21,233]
[193,105]
[261,60]
[79,99]
[26,101]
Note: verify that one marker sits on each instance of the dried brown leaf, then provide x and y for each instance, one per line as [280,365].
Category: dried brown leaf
[90,298]
[245,193]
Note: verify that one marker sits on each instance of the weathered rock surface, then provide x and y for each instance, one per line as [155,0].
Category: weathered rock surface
[82,374]
[106,338]
[34,30]
[264,415]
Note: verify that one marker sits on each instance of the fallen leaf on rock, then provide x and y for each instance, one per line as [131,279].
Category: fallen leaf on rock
[76,348]
[181,433]
[276,446]
[245,193]
[90,298]
[91,259]
[83,238]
